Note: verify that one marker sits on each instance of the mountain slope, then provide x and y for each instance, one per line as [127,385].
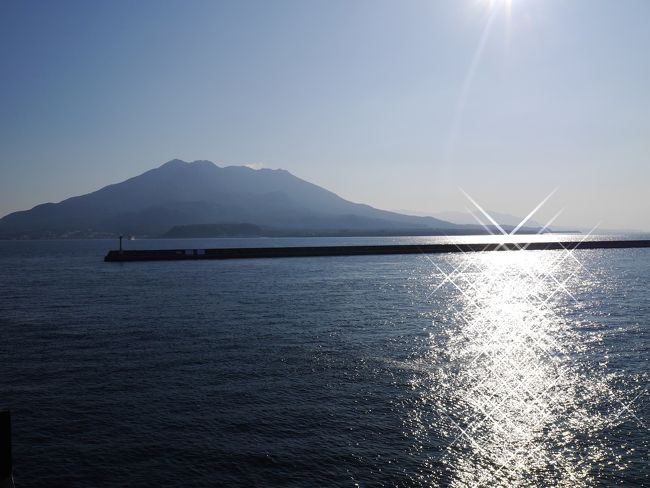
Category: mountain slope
[181,193]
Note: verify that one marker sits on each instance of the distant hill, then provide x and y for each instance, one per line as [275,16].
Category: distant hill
[474,217]
[179,193]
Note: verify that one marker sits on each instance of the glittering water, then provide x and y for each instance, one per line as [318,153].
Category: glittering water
[496,369]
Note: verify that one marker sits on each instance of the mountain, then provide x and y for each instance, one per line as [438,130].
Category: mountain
[179,193]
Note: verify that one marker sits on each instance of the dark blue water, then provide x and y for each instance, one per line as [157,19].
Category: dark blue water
[485,369]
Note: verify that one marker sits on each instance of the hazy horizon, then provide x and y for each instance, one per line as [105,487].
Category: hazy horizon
[396,105]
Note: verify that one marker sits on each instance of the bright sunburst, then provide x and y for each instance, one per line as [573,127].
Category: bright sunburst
[507,4]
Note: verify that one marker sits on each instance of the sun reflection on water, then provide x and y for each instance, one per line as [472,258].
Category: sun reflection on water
[504,400]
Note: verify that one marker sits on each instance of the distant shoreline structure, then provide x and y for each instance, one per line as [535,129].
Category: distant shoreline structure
[212,231]
[220,231]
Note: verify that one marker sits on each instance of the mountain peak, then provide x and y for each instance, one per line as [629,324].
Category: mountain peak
[173,162]
[203,162]
[179,164]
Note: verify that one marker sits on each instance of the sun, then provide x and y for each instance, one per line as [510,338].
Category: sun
[493,4]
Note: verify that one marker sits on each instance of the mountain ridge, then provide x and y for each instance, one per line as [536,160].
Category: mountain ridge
[200,192]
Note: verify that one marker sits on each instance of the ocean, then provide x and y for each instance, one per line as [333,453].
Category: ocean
[518,368]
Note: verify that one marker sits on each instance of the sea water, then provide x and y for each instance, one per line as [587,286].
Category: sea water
[518,368]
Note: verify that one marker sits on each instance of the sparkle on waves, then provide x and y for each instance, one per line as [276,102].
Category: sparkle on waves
[516,406]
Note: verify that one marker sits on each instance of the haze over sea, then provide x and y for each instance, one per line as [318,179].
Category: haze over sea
[485,369]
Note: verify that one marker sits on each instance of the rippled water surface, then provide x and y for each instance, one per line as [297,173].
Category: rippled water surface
[486,369]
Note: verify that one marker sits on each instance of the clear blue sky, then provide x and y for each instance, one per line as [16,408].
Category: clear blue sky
[392,103]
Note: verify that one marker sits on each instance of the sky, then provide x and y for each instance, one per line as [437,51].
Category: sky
[398,104]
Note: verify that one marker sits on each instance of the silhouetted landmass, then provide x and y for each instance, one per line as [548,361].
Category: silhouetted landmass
[199,193]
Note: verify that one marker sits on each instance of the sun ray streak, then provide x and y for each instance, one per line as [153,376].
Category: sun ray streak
[466,86]
[528,217]
[487,215]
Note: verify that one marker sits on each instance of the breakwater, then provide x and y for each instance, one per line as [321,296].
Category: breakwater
[314,251]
